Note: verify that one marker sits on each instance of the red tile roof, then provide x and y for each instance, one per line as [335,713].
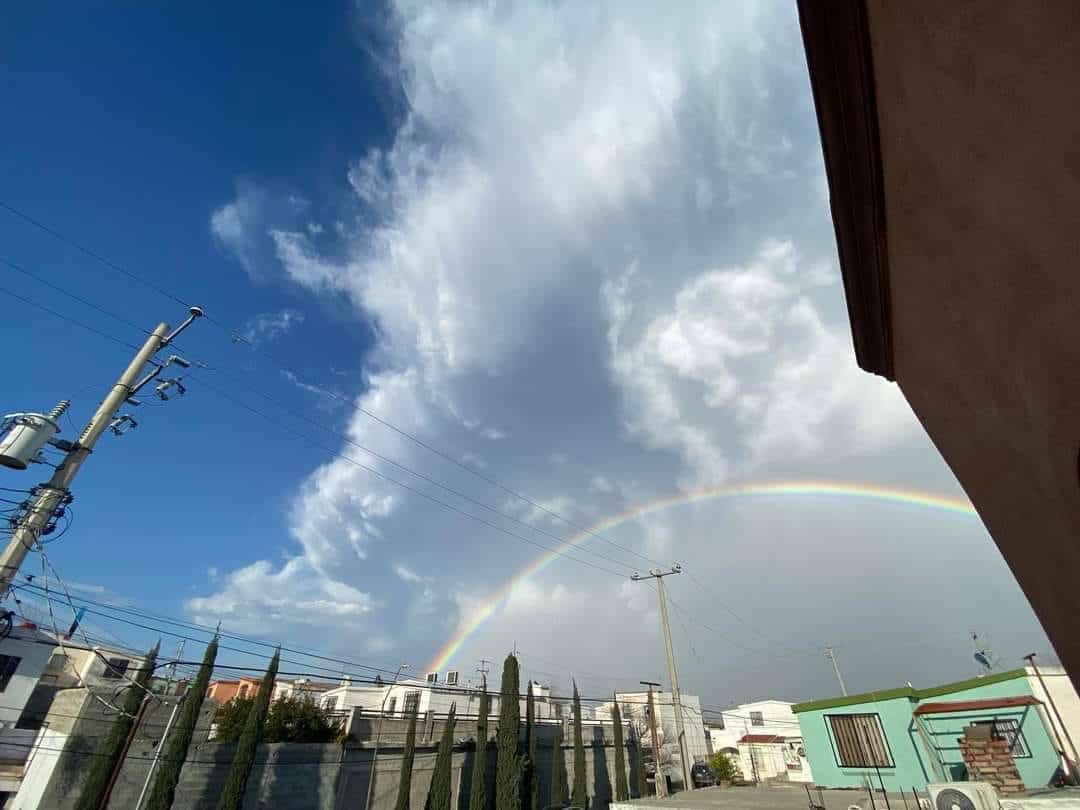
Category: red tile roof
[976,705]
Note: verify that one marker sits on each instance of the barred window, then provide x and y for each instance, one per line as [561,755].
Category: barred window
[1008,730]
[412,703]
[757,719]
[859,740]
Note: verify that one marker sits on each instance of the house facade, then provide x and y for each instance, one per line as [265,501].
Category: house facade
[908,737]
[634,708]
[763,740]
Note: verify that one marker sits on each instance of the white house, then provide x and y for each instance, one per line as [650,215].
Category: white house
[24,653]
[763,739]
[301,686]
[634,708]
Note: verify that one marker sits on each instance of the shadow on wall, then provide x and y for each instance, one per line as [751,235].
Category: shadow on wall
[601,777]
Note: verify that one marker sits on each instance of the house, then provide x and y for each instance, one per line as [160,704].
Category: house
[225,690]
[301,686]
[953,193]
[634,709]
[24,654]
[763,740]
[907,737]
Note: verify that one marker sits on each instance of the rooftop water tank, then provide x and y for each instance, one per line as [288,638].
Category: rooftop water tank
[24,434]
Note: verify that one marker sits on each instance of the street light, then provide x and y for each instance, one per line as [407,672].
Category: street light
[378,736]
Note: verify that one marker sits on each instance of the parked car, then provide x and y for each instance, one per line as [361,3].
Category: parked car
[702,775]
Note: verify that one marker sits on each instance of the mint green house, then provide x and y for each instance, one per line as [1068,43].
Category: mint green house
[910,736]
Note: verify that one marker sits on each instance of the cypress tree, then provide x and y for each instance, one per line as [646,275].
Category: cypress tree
[405,778]
[558,771]
[622,792]
[176,748]
[580,797]
[642,783]
[531,785]
[438,797]
[107,755]
[478,791]
[232,795]
[508,765]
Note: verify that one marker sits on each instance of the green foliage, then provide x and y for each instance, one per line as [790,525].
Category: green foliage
[558,771]
[530,788]
[108,754]
[509,766]
[438,797]
[405,777]
[232,795]
[622,792]
[231,718]
[722,766]
[478,790]
[176,747]
[299,719]
[580,796]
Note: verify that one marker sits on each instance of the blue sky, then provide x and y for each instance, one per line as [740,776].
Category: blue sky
[585,252]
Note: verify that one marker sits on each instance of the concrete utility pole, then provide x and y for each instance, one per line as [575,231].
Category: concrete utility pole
[55,492]
[831,655]
[658,779]
[676,696]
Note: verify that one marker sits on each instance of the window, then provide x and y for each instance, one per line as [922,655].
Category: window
[452,678]
[433,677]
[8,665]
[391,704]
[558,710]
[115,668]
[859,740]
[757,719]
[412,702]
[1008,730]
[330,704]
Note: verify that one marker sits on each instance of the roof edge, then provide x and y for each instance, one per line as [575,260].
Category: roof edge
[908,692]
[836,37]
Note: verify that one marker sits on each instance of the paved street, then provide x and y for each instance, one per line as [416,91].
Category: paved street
[774,797]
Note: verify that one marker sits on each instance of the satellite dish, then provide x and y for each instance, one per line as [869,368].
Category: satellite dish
[983,655]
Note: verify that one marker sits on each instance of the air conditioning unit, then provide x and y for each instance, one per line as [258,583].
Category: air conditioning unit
[963,796]
[452,678]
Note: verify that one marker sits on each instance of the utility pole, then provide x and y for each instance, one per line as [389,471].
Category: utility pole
[1072,762]
[831,655]
[676,696]
[658,779]
[53,494]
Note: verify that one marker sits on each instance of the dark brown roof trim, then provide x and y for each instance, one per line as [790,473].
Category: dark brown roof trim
[836,35]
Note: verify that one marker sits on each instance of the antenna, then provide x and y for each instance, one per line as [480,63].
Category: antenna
[983,655]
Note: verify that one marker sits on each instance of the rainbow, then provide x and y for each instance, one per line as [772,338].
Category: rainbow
[836,489]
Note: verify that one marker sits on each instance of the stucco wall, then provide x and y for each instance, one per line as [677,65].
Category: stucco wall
[980,144]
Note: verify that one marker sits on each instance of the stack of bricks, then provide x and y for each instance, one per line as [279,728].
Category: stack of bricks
[990,761]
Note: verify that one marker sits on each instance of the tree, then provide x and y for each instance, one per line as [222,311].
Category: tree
[438,797]
[530,796]
[622,792]
[642,782]
[231,718]
[478,791]
[232,795]
[299,719]
[508,764]
[405,777]
[558,771]
[172,759]
[579,798]
[722,766]
[107,757]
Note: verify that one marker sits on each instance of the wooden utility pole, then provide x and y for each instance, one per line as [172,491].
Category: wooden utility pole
[658,780]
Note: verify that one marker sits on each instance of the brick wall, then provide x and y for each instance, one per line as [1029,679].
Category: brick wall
[990,761]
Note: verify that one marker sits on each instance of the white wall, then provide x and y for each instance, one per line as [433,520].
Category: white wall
[24,645]
[633,704]
[1065,698]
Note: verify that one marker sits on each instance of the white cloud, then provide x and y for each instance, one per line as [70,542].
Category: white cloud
[268,326]
[600,230]
[406,574]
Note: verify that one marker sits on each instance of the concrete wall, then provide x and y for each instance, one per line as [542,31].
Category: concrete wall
[980,146]
[32,656]
[1061,688]
[305,777]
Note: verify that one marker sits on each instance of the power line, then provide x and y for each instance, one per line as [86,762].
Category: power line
[70,320]
[236,337]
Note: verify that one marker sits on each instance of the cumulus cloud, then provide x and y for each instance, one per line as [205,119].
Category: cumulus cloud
[598,234]
[268,326]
